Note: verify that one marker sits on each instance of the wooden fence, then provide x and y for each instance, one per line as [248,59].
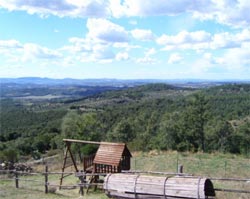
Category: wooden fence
[17,178]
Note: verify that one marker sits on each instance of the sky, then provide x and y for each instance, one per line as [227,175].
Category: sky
[125,39]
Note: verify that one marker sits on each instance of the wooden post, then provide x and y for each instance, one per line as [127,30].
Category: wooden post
[177,162]
[46,178]
[180,169]
[16,179]
[81,186]
[225,168]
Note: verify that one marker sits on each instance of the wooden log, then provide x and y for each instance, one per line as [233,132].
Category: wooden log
[142,186]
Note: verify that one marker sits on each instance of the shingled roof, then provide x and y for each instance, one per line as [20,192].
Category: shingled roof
[111,153]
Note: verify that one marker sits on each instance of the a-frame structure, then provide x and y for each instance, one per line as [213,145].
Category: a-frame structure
[109,158]
[69,159]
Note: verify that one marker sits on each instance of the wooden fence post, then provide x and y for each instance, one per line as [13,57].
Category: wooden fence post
[16,179]
[225,168]
[46,178]
[177,162]
[180,169]
[81,186]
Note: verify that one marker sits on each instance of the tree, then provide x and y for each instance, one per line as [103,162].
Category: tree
[224,138]
[9,155]
[169,137]
[244,138]
[196,118]
[83,127]
[70,124]
[122,132]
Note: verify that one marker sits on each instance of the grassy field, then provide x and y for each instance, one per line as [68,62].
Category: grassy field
[210,165]
[199,164]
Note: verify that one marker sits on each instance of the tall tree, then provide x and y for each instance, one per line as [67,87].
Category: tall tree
[122,132]
[196,118]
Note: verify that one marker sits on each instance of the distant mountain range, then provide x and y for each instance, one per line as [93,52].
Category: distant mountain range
[117,82]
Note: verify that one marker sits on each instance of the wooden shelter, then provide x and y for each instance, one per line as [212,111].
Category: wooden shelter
[112,158]
[157,187]
[109,158]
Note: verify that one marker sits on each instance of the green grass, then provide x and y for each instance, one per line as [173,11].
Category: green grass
[199,164]
[210,165]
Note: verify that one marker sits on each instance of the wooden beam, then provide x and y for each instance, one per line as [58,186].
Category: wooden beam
[81,141]
[92,142]
[72,157]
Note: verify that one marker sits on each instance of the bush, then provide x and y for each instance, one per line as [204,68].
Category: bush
[9,155]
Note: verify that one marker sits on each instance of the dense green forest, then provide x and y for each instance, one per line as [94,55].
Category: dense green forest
[153,116]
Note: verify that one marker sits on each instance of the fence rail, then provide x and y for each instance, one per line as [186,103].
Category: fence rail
[17,177]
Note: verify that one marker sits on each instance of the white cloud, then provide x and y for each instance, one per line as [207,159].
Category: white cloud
[72,8]
[116,8]
[91,8]
[229,40]
[234,62]
[224,40]
[98,45]
[144,35]
[243,36]
[89,50]
[38,6]
[237,58]
[126,46]
[201,40]
[106,31]
[159,7]
[102,53]
[122,56]
[34,51]
[79,45]
[184,37]
[209,58]
[16,51]
[101,42]
[197,40]
[174,58]
[230,12]
[8,44]
[146,60]
[150,52]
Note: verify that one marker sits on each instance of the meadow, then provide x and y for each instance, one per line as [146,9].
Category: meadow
[215,165]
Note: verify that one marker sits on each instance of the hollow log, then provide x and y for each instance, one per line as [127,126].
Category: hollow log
[155,187]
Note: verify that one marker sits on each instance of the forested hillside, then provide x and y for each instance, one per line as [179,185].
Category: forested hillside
[153,116]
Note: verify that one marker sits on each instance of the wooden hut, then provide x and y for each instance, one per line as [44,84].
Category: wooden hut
[157,187]
[111,158]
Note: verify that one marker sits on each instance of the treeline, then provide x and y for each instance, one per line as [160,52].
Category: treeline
[11,90]
[27,132]
[148,117]
[216,119]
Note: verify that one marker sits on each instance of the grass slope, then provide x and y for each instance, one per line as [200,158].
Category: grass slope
[199,164]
